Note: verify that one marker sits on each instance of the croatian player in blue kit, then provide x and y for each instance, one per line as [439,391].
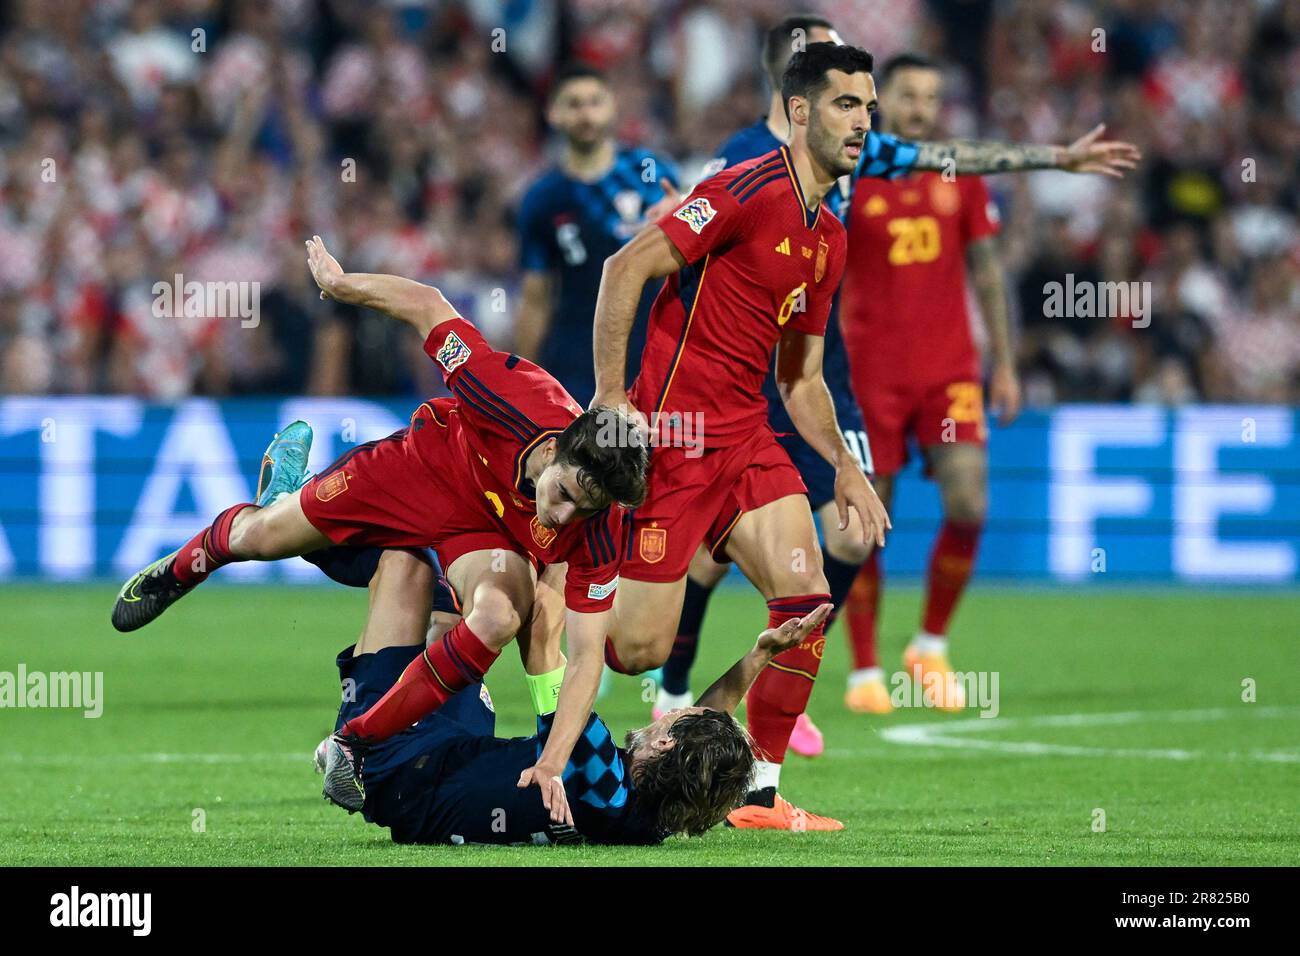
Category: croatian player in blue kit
[576,216]
[449,779]
[844,551]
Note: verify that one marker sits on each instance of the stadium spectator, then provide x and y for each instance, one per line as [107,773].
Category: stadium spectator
[139,140]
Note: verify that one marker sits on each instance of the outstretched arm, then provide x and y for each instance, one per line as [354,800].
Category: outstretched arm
[729,690]
[1087,154]
[421,306]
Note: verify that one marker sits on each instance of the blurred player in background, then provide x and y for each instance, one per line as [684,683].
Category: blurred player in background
[886,156]
[916,369]
[576,216]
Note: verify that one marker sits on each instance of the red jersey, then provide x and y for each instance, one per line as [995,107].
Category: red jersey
[903,309]
[504,407]
[757,260]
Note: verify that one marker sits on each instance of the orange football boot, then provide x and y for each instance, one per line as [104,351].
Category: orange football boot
[869,697]
[781,815]
[935,675]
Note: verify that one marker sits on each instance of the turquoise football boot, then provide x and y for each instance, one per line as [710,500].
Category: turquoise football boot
[284,464]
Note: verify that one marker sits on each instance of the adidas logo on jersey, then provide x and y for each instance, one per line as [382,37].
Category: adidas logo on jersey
[783,246]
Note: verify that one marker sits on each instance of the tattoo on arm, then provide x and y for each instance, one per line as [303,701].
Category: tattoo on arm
[974,157]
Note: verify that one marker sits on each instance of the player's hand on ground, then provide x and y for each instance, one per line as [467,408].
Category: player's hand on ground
[325,269]
[551,784]
[672,199]
[777,639]
[852,490]
[1004,394]
[1091,154]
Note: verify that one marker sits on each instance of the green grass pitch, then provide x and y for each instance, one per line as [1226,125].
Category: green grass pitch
[1125,702]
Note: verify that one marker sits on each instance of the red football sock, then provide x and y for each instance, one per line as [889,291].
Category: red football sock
[860,613]
[446,666]
[951,562]
[782,690]
[209,549]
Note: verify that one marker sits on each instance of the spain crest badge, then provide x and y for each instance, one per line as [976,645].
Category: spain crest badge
[653,544]
[542,535]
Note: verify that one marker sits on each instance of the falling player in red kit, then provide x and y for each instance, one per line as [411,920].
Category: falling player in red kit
[916,371]
[504,477]
[753,260]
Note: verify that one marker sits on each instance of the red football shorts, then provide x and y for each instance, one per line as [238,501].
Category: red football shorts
[383,494]
[936,415]
[691,500]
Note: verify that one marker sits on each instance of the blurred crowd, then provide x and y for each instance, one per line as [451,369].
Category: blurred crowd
[144,140]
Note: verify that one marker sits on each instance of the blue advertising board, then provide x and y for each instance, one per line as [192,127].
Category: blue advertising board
[99,486]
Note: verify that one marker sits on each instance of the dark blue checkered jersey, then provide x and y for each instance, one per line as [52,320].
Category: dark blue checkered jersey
[477,799]
[884,156]
[596,773]
[598,783]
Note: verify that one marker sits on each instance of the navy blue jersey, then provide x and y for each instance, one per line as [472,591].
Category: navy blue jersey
[367,678]
[449,779]
[568,228]
[480,802]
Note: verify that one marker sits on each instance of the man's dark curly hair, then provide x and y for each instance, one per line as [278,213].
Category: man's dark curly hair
[610,454]
[692,786]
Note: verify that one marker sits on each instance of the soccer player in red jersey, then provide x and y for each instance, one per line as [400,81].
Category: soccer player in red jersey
[887,157]
[915,367]
[752,261]
[507,476]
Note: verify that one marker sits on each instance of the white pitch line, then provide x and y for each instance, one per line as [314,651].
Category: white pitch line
[955,734]
[948,734]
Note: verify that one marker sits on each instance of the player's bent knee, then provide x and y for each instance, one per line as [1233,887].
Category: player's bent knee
[967,508]
[847,546]
[252,537]
[851,551]
[811,581]
[494,618]
[636,659]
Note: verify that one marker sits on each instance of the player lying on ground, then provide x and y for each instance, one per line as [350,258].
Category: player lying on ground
[507,475]
[449,779]
[897,154]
